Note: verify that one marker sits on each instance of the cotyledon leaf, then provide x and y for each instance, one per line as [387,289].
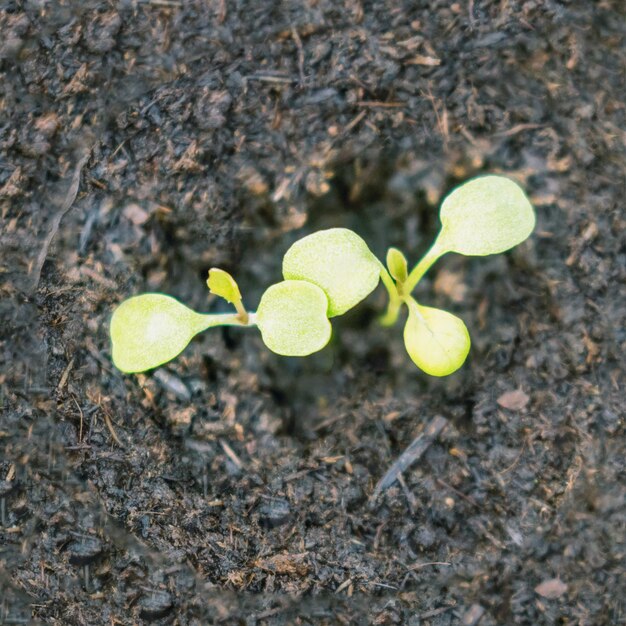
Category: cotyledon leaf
[485,215]
[437,341]
[338,261]
[292,317]
[151,329]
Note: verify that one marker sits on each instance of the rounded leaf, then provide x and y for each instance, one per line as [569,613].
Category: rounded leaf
[486,215]
[292,318]
[338,261]
[151,329]
[437,341]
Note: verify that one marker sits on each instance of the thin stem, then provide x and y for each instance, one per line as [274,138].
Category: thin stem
[389,283]
[412,305]
[422,267]
[242,314]
[391,314]
[209,320]
[395,300]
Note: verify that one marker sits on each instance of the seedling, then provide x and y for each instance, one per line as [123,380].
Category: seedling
[326,274]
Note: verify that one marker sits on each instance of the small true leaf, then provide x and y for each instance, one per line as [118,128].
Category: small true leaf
[222,284]
[151,329]
[397,264]
[486,215]
[437,341]
[292,318]
[338,261]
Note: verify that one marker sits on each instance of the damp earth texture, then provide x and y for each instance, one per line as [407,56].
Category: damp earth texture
[143,144]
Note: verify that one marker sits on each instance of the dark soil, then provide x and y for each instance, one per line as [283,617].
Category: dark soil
[144,141]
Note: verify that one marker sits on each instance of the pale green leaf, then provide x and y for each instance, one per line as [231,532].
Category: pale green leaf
[222,284]
[397,264]
[151,329]
[292,318]
[338,261]
[437,341]
[486,215]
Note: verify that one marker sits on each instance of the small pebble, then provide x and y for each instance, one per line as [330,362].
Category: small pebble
[551,589]
[155,605]
[274,512]
[473,615]
[84,551]
[173,384]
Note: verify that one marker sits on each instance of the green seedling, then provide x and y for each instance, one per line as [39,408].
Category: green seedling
[328,273]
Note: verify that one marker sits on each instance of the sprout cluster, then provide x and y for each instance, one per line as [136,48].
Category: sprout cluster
[326,274]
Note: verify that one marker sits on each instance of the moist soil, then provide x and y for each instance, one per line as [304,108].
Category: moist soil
[145,141]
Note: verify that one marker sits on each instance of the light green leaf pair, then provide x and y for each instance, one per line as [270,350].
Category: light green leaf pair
[486,215]
[326,274]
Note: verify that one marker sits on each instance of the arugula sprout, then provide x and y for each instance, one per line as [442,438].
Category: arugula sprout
[326,274]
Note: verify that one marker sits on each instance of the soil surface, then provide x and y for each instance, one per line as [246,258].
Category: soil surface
[144,141]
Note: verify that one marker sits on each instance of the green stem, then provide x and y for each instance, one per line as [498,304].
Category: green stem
[242,314]
[390,285]
[209,320]
[422,267]
[412,305]
[391,314]
[395,300]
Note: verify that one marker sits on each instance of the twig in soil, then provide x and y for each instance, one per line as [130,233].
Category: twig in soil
[442,120]
[298,42]
[415,566]
[85,233]
[518,128]
[230,453]
[109,423]
[329,422]
[515,462]
[383,585]
[408,494]
[354,122]
[222,11]
[65,375]
[82,418]
[470,12]
[373,583]
[382,105]
[435,612]
[271,78]
[163,3]
[458,493]
[412,454]
[66,205]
